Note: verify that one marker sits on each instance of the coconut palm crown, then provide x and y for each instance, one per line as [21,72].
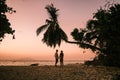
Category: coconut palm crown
[53,34]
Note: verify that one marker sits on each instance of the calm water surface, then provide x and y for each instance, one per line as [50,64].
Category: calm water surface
[40,62]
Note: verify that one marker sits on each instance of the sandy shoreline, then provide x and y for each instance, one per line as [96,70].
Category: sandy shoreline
[68,72]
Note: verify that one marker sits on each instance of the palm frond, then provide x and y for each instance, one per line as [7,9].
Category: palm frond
[63,35]
[54,36]
[52,11]
[40,29]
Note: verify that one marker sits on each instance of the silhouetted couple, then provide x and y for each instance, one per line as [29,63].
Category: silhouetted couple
[59,57]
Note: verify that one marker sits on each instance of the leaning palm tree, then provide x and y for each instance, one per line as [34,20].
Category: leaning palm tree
[53,34]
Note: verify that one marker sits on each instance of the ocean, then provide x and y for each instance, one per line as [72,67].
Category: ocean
[39,62]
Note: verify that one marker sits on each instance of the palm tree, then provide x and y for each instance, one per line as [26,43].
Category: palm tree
[54,34]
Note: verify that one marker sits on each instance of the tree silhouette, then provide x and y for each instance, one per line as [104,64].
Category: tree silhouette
[54,34]
[102,35]
[4,22]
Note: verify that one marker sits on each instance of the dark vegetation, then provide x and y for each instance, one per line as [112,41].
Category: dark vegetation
[102,32]
[53,34]
[4,21]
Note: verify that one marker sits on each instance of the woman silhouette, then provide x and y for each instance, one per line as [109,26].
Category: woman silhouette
[61,58]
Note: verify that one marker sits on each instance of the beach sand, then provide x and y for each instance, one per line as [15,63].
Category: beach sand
[68,72]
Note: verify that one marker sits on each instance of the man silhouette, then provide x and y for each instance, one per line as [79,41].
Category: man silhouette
[56,57]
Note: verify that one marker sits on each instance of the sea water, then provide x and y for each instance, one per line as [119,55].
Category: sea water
[39,62]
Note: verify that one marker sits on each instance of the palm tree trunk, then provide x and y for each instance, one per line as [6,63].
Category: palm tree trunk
[86,45]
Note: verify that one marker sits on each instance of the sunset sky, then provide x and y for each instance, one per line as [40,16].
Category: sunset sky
[31,14]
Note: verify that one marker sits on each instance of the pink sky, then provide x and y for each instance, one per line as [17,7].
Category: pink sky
[31,14]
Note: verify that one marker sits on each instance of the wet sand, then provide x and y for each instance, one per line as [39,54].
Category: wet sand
[68,72]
